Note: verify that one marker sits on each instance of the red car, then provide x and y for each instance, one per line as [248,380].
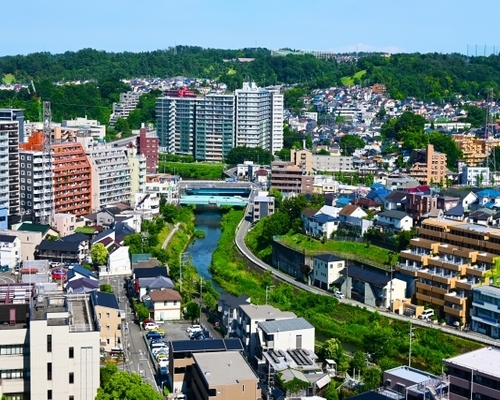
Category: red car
[58,274]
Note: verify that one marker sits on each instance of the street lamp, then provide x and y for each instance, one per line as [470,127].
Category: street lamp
[267,290]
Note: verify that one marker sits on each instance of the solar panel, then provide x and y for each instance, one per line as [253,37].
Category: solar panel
[198,345]
[233,344]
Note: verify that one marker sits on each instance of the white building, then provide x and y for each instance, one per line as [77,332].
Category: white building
[166,305]
[259,117]
[138,166]
[128,102]
[9,166]
[147,203]
[284,334]
[10,250]
[395,220]
[248,319]
[332,163]
[91,125]
[66,224]
[326,270]
[118,263]
[111,179]
[476,176]
[165,186]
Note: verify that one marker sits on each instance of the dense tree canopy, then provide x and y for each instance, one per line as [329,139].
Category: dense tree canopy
[349,143]
[237,155]
[125,386]
[408,122]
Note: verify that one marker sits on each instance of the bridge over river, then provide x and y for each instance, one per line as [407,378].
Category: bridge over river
[217,193]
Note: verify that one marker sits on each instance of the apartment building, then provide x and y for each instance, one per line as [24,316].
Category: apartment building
[109,319]
[10,250]
[93,126]
[111,179]
[332,163]
[289,178]
[10,131]
[49,346]
[248,318]
[138,169]
[225,375]
[165,185]
[428,166]
[474,150]
[256,109]
[476,176]
[485,314]
[263,206]
[147,146]
[474,375]
[5,128]
[14,114]
[448,260]
[302,158]
[128,102]
[181,359]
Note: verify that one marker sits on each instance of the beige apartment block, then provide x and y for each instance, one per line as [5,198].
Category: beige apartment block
[428,166]
[474,150]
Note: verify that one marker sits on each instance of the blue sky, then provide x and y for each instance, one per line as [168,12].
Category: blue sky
[364,25]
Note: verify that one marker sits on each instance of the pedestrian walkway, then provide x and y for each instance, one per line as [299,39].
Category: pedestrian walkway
[170,235]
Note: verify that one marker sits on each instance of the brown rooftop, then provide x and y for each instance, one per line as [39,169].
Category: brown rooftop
[165,295]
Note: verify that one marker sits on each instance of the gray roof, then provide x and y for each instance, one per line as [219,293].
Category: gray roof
[223,368]
[7,238]
[285,325]
[393,214]
[328,257]
[486,360]
[265,312]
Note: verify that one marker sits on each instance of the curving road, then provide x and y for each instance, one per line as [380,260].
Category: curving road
[239,240]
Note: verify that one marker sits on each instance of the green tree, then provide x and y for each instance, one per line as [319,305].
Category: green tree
[323,152]
[332,349]
[239,154]
[407,122]
[125,386]
[210,301]
[358,362]
[475,116]
[276,225]
[99,254]
[278,197]
[106,287]
[135,243]
[331,392]
[107,372]
[142,311]
[372,378]
[192,311]
[121,125]
[349,143]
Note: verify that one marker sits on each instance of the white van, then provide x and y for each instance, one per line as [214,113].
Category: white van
[426,314]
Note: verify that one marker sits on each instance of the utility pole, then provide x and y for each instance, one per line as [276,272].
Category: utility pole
[411,339]
[267,291]
[201,295]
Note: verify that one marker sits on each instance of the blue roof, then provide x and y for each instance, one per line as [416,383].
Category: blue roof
[78,269]
[342,201]
[322,218]
[488,193]
[489,204]
[376,186]
[104,299]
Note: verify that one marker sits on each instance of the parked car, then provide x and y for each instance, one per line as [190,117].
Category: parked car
[200,335]
[162,331]
[15,271]
[4,268]
[151,326]
[338,294]
[146,321]
[193,328]
[154,335]
[426,314]
[58,274]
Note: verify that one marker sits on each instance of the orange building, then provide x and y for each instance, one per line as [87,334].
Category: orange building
[71,173]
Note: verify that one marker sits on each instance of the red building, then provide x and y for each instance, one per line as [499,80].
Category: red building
[147,145]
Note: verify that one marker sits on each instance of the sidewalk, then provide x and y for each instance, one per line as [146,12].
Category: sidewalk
[169,237]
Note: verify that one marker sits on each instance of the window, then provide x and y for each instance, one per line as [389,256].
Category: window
[71,352]
[71,377]
[243,388]
[107,315]
[49,371]
[49,394]
[71,397]
[13,349]
[49,343]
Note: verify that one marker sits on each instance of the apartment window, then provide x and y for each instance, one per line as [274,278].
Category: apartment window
[49,343]
[107,315]
[49,371]
[22,164]
[49,394]
[29,181]
[29,173]
[243,388]
[71,352]
[71,377]
[13,349]
[71,397]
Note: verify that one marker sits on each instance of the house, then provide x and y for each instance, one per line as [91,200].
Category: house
[145,286]
[353,218]
[394,220]
[367,204]
[10,250]
[485,314]
[72,248]
[227,307]
[263,206]
[326,270]
[372,286]
[261,176]
[81,285]
[165,305]
[181,359]
[118,263]
[248,318]
[322,225]
[284,334]
[378,195]
[109,319]
[306,214]
[77,271]
[446,203]
[456,213]
[395,200]
[225,375]
[318,381]
[420,204]
[483,216]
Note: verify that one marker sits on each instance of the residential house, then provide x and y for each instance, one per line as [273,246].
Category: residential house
[488,196]
[368,205]
[249,316]
[165,305]
[482,216]
[419,205]
[322,225]
[109,319]
[474,375]
[476,176]
[77,272]
[396,200]
[263,206]
[284,334]
[66,224]
[456,213]
[72,248]
[261,177]
[401,183]
[10,251]
[446,203]
[326,270]
[118,263]
[81,285]
[305,216]
[372,286]
[28,242]
[225,375]
[227,307]
[394,220]
[378,194]
[181,359]
[353,218]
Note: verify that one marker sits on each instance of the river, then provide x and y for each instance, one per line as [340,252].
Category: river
[200,250]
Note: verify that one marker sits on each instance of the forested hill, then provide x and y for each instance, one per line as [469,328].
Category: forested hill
[426,76]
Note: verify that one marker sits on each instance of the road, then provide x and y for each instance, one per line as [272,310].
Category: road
[123,142]
[241,232]
[136,352]
[167,239]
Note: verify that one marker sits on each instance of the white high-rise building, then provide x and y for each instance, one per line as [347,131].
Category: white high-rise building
[259,117]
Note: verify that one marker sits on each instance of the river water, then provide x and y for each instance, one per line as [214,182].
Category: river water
[200,250]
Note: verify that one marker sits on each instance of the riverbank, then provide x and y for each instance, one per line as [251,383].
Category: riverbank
[386,339]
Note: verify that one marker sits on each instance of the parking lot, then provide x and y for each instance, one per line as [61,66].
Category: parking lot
[175,330]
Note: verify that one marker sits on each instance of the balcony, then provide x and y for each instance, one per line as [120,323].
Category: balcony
[456,312]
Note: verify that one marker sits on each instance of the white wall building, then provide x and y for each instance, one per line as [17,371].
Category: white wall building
[111,179]
[394,219]
[326,270]
[93,126]
[476,176]
[166,305]
[10,250]
[118,263]
[332,163]
[285,334]
[138,168]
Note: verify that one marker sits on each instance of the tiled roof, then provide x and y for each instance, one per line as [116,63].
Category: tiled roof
[165,295]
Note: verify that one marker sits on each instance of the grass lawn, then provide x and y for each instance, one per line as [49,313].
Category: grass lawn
[350,250]
[349,80]
[198,170]
[163,235]
[8,78]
